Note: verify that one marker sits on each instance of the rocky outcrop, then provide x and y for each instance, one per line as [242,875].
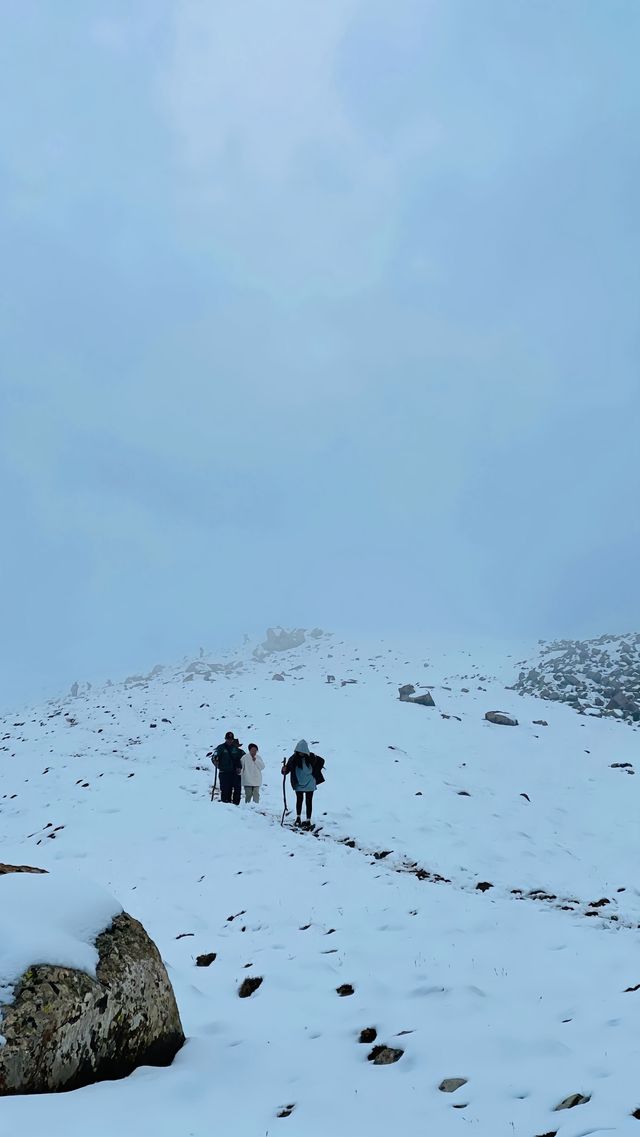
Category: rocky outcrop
[599,677]
[65,1029]
[208,670]
[278,639]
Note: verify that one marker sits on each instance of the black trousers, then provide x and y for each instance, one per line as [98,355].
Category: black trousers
[309,803]
[230,787]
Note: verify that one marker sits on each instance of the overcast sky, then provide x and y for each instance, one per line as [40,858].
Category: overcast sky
[314,312]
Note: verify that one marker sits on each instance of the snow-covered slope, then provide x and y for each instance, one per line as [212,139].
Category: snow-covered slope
[518,986]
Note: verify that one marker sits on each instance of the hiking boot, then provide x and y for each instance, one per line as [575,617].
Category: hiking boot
[306,824]
[297,823]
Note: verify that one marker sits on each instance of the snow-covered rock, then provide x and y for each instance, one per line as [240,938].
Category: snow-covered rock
[84,994]
[500,718]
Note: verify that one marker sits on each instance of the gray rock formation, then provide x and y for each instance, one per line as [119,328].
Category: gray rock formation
[450,1085]
[500,718]
[572,1101]
[66,1029]
[407,694]
[278,639]
[598,677]
[423,700]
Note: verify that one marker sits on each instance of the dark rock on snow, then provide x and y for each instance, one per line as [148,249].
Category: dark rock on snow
[407,694]
[500,718]
[4,869]
[450,1085]
[385,1055]
[572,1101]
[249,985]
[406,691]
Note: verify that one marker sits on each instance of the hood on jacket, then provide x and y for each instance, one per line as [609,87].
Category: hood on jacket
[302,747]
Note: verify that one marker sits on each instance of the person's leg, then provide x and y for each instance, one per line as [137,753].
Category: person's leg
[299,800]
[225,786]
[256,794]
[309,803]
[237,788]
[248,790]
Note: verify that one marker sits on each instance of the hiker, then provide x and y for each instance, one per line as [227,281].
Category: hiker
[252,767]
[305,769]
[227,757]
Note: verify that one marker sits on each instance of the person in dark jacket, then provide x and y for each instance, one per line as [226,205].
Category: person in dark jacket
[228,759]
[305,770]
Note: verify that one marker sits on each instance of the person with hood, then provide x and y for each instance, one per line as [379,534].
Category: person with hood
[252,767]
[228,759]
[305,770]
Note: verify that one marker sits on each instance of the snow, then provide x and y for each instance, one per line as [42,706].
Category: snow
[525,997]
[50,918]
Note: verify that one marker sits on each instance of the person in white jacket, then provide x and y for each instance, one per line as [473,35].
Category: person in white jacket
[252,767]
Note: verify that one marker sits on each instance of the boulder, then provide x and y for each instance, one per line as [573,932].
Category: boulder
[572,1101]
[278,677]
[385,1055]
[500,718]
[450,1085]
[66,1029]
[423,700]
[405,692]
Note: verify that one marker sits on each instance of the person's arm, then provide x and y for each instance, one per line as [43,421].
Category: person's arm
[260,762]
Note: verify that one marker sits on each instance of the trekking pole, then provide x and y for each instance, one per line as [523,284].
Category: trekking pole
[284,798]
[215,782]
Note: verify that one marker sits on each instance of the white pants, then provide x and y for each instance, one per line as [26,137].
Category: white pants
[252,793]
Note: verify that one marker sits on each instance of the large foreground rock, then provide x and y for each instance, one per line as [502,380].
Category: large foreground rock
[66,1029]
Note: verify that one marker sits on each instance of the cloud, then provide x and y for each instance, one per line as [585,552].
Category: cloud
[283,184]
[345,286]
